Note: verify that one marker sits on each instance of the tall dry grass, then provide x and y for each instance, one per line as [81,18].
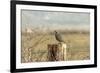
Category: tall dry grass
[34,46]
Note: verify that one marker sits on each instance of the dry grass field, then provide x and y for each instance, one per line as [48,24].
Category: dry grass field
[34,46]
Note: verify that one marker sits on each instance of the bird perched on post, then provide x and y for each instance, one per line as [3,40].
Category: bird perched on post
[58,37]
[62,46]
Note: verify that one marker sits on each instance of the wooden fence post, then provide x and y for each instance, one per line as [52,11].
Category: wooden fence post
[57,52]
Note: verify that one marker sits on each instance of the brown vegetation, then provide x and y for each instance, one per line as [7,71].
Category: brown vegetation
[34,45]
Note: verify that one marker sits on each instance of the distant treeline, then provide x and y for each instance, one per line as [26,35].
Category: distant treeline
[73,32]
[60,31]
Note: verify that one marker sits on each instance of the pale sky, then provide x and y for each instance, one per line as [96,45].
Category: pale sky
[55,20]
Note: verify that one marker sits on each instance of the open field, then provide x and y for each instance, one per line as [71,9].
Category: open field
[34,46]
